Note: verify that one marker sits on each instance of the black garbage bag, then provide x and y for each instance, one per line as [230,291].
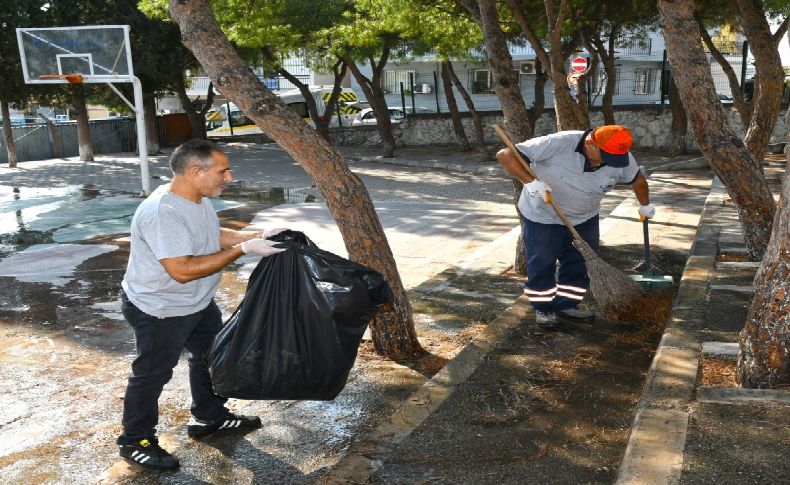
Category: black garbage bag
[296,333]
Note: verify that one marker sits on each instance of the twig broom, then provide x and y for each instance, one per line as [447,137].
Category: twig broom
[616,295]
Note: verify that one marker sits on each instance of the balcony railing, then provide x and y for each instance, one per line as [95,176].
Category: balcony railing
[727,47]
[515,50]
[634,46]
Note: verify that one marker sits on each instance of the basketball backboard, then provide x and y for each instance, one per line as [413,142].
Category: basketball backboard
[99,53]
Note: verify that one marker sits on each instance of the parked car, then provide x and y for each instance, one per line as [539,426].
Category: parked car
[368,117]
[725,98]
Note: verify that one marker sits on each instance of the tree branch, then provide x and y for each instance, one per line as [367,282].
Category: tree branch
[780,32]
[526,28]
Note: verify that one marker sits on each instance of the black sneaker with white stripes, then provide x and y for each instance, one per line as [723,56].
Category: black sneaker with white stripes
[149,454]
[197,428]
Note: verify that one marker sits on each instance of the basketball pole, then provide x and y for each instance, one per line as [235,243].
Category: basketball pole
[142,141]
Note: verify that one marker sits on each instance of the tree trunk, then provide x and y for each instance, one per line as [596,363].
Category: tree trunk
[764,358]
[197,124]
[480,136]
[514,112]
[346,196]
[455,115]
[744,109]
[8,134]
[83,128]
[539,106]
[680,123]
[769,78]
[321,120]
[570,116]
[339,70]
[197,118]
[321,124]
[375,96]
[726,153]
[54,139]
[151,130]
[607,55]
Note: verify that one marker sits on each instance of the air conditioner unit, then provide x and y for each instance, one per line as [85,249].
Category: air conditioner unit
[526,67]
[423,88]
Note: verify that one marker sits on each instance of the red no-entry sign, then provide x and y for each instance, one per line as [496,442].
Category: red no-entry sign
[579,64]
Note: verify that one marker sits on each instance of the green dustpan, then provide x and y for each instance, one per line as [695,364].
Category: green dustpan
[651,279]
[650,282]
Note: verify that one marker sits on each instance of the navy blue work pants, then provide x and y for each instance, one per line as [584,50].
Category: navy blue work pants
[159,345]
[557,276]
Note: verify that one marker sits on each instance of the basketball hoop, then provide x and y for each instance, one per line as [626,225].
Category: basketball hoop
[71,78]
[85,54]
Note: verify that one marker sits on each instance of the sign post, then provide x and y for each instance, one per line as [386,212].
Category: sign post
[579,64]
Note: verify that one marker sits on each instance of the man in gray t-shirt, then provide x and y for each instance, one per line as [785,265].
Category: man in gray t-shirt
[177,252]
[577,168]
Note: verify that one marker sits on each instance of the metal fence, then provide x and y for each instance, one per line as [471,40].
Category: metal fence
[38,142]
[423,92]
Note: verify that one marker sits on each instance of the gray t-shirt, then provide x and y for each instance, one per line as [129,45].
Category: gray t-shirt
[167,225]
[556,161]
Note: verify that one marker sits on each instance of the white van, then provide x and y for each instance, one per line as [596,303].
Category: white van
[218,123]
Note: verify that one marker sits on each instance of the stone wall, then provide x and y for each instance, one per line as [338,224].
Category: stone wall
[650,125]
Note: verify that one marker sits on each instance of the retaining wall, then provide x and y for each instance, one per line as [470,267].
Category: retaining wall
[650,125]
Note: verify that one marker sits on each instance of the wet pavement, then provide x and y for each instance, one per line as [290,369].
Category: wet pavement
[65,351]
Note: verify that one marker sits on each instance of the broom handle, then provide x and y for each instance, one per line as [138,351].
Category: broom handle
[526,166]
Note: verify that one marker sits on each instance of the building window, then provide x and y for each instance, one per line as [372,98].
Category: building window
[482,81]
[644,81]
[391,80]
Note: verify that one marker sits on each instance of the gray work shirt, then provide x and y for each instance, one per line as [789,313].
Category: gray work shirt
[167,225]
[559,161]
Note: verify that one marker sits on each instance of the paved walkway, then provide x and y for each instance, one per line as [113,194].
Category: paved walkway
[464,208]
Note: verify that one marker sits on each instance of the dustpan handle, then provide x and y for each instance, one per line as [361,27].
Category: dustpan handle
[498,130]
[647,243]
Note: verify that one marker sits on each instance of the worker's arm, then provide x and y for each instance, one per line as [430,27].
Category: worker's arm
[188,268]
[229,237]
[641,189]
[511,164]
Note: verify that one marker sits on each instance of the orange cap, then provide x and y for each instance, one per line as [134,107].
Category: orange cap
[614,142]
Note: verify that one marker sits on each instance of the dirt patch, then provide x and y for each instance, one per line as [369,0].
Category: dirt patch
[729,444]
[554,406]
[732,258]
[717,372]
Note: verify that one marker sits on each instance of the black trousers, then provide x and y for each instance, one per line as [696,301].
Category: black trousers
[159,345]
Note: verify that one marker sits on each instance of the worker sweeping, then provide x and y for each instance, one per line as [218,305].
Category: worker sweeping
[578,168]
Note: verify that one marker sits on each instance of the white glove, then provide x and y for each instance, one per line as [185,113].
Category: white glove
[261,247]
[647,211]
[539,189]
[268,233]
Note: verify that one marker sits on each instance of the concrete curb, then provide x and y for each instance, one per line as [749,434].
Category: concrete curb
[656,444]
